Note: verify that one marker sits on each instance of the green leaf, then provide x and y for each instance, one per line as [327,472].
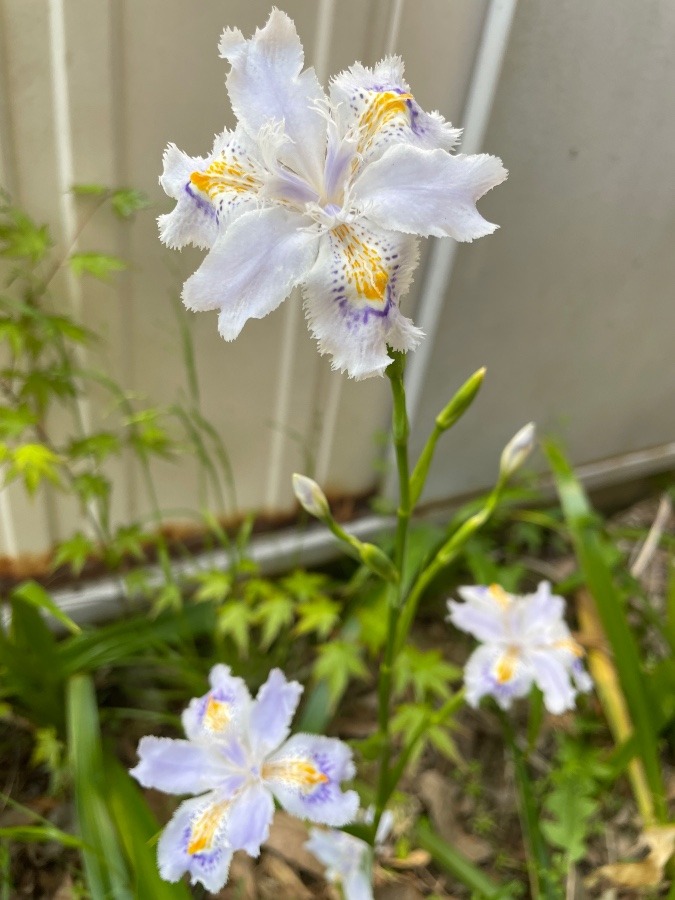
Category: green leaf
[426,671]
[104,865]
[233,620]
[216,585]
[32,593]
[38,833]
[372,617]
[74,553]
[570,810]
[99,265]
[34,463]
[318,615]
[127,201]
[137,828]
[91,486]
[13,422]
[305,585]
[337,663]
[591,551]
[127,542]
[89,190]
[273,614]
[21,238]
[169,597]
[98,446]
[14,333]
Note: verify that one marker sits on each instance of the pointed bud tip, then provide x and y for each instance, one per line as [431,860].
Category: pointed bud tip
[310,496]
[517,450]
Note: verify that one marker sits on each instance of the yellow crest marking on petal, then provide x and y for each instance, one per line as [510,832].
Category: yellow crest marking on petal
[204,828]
[498,593]
[222,176]
[383,107]
[300,772]
[216,714]
[363,267]
[506,667]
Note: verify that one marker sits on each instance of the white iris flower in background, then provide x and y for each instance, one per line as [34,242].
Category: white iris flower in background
[238,758]
[524,641]
[327,192]
[349,860]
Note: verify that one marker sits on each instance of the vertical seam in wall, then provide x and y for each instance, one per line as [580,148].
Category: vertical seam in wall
[8,182]
[8,174]
[125,289]
[438,273]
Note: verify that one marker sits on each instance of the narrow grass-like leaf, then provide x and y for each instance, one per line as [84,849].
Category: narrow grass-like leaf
[455,862]
[104,866]
[39,833]
[32,593]
[137,827]
[590,550]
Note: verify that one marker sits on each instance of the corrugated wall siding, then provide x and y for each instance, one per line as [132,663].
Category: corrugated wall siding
[569,304]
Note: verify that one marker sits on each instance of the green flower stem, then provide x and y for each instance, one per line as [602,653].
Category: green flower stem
[538,862]
[400,431]
[447,554]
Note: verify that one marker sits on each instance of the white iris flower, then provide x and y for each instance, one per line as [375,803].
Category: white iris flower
[327,192]
[524,641]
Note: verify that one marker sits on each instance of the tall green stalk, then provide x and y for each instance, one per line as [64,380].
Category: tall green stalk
[400,432]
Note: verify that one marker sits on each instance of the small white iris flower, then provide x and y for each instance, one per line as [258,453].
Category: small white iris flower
[524,641]
[349,860]
[237,758]
[322,191]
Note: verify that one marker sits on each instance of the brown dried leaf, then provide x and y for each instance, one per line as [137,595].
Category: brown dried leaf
[648,873]
[287,839]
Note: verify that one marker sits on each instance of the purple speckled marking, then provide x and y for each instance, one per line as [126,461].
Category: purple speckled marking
[202,204]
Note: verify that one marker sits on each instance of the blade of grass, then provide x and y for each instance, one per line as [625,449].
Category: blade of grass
[455,862]
[104,865]
[607,597]
[137,827]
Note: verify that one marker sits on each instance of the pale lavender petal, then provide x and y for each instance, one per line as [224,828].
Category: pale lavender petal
[211,191]
[266,83]
[483,677]
[581,678]
[358,885]
[541,612]
[429,192]
[376,108]
[480,616]
[272,712]
[176,851]
[305,774]
[179,767]
[225,706]
[333,849]
[252,268]
[352,298]
[193,220]
[552,677]
[250,819]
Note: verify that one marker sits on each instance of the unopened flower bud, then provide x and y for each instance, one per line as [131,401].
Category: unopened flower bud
[517,450]
[378,562]
[461,401]
[310,496]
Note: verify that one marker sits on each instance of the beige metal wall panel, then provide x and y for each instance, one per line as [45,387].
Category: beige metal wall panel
[570,305]
[92,91]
